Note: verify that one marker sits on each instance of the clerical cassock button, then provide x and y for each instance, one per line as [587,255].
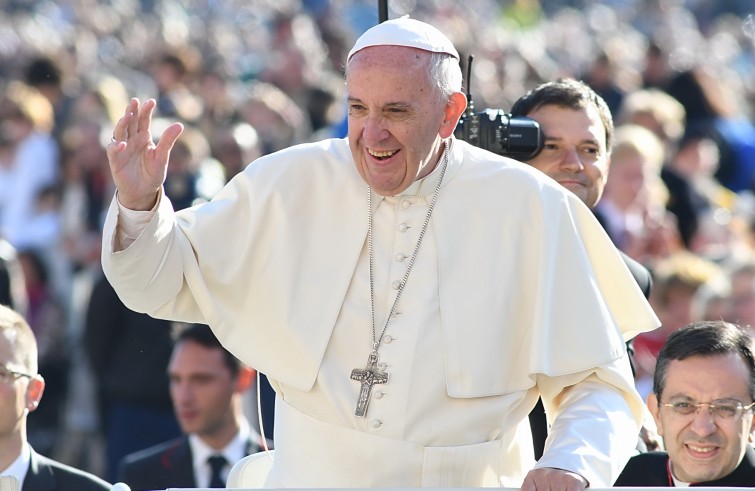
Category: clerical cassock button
[406,203]
[400,257]
[376,423]
[382,365]
[395,285]
[403,227]
[387,339]
[378,394]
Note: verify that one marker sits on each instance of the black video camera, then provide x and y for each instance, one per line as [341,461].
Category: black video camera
[518,137]
[492,129]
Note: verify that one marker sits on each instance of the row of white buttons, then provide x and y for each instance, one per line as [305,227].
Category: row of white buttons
[387,339]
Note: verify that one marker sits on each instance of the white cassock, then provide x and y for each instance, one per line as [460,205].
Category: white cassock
[516,293]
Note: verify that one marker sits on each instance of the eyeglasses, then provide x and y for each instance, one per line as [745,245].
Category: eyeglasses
[724,409]
[7,375]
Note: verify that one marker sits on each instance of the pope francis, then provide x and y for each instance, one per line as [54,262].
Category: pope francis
[409,296]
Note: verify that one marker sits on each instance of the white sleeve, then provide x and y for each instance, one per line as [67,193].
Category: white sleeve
[130,225]
[595,423]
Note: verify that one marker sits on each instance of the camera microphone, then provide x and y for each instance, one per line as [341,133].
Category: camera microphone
[518,137]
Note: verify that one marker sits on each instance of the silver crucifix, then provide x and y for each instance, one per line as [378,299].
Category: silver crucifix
[369,376]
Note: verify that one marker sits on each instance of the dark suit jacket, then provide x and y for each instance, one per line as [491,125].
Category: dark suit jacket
[167,465]
[538,421]
[48,475]
[650,470]
[640,273]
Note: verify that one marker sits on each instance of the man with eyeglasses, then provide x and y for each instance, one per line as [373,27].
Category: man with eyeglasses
[702,402]
[21,389]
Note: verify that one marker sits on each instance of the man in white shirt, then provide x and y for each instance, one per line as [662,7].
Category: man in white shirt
[396,365]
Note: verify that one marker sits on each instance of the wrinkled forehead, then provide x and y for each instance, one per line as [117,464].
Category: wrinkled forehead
[376,57]
[392,71]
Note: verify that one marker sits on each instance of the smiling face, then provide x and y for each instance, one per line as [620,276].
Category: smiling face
[702,447]
[397,119]
[574,151]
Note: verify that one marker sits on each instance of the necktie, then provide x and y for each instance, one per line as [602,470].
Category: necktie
[217,462]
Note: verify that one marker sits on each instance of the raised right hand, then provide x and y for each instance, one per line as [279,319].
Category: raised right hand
[138,165]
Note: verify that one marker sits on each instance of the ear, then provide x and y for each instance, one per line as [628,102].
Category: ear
[652,404]
[455,107]
[34,392]
[245,378]
[752,429]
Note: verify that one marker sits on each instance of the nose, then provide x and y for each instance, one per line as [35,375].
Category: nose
[703,422]
[374,130]
[570,160]
[180,392]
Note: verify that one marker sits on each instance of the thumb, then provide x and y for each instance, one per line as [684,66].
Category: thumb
[167,140]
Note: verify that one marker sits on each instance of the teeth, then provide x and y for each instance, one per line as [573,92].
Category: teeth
[700,449]
[375,153]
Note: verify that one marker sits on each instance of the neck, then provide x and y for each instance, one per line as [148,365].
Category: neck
[223,435]
[10,449]
[435,159]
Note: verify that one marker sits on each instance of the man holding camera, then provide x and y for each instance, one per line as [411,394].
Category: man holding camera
[396,365]
[577,129]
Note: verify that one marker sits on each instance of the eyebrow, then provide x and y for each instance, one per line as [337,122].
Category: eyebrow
[397,104]
[591,141]
[686,398]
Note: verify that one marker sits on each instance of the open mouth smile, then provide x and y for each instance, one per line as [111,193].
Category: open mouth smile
[382,155]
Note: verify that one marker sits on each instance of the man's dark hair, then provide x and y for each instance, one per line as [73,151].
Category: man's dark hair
[203,335]
[43,71]
[705,338]
[568,93]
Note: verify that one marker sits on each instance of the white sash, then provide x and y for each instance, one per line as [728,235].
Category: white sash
[310,453]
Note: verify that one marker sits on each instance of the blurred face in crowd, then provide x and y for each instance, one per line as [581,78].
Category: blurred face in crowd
[629,179]
[574,151]
[397,119]
[704,446]
[202,389]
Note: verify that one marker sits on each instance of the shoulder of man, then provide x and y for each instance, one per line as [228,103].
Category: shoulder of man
[645,469]
[494,170]
[303,155]
[300,169]
[640,273]
[50,475]
[742,476]
[162,455]
[165,465]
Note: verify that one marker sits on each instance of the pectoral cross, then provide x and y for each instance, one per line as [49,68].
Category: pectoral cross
[369,376]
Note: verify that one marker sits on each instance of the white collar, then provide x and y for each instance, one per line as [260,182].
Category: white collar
[234,451]
[19,467]
[423,188]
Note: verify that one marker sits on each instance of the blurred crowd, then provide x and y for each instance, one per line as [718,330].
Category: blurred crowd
[249,78]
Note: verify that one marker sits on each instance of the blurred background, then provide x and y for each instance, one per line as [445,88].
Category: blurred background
[251,77]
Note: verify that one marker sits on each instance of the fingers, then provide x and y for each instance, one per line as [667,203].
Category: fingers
[121,129]
[551,479]
[144,118]
[528,484]
[135,120]
[169,137]
[133,131]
